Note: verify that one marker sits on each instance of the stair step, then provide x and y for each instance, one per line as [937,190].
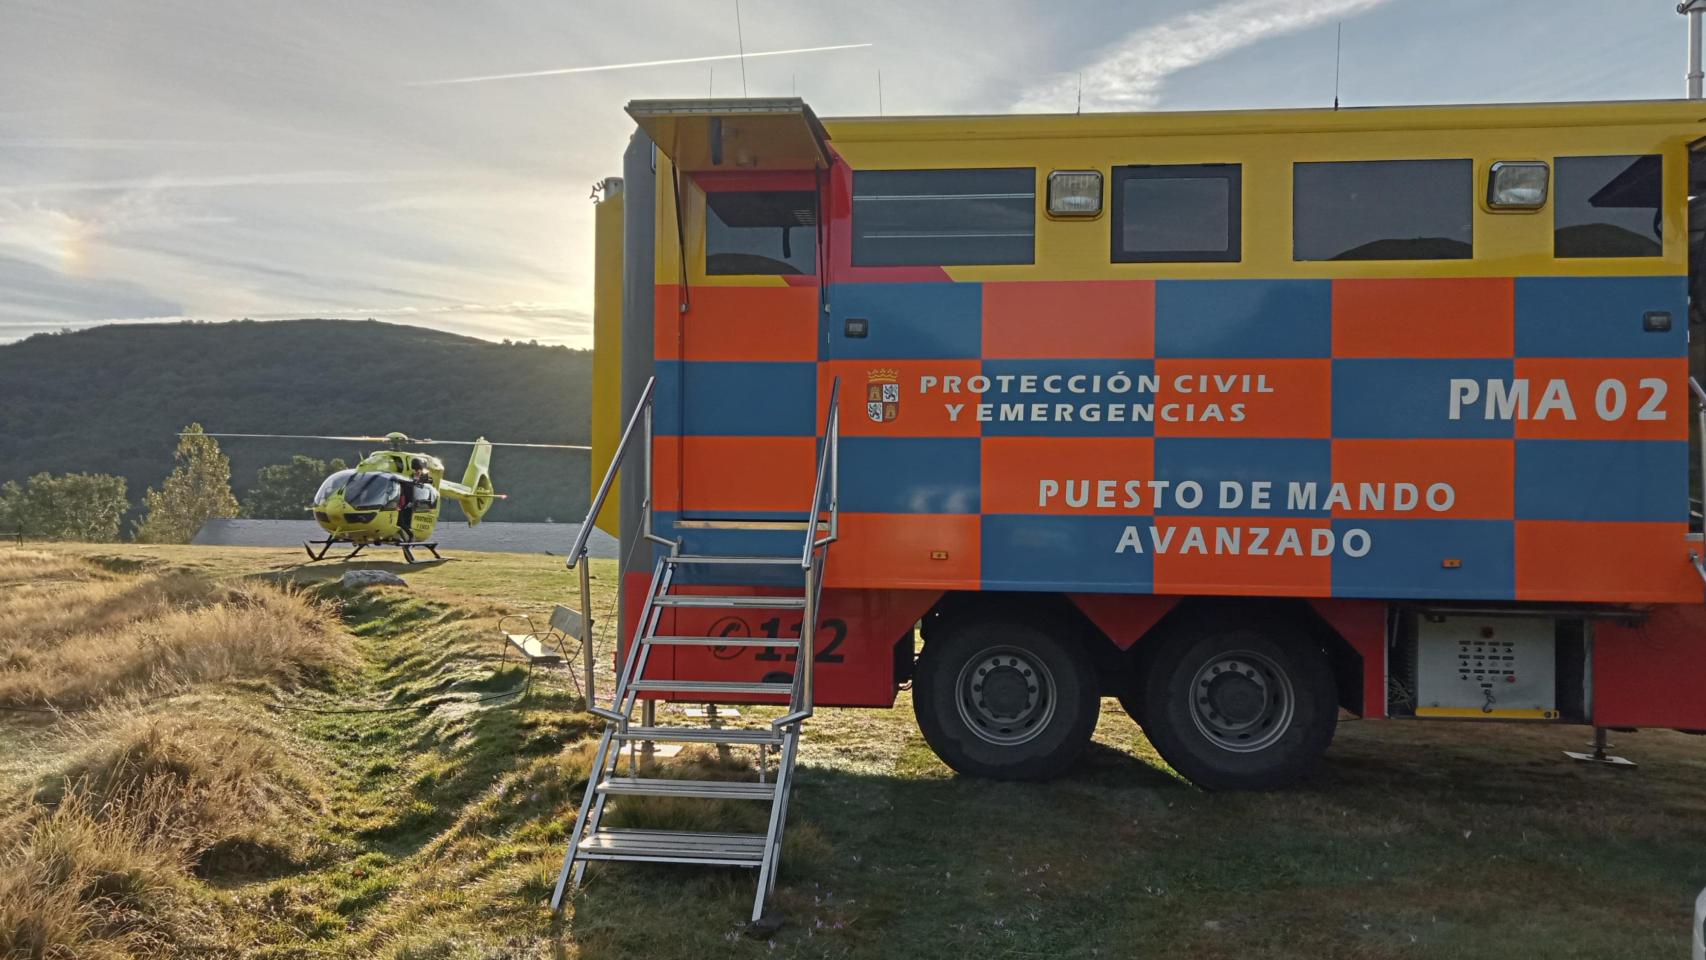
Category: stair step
[729,735]
[704,789]
[780,643]
[734,560]
[675,846]
[745,601]
[712,686]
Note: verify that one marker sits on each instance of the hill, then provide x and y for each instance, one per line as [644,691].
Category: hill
[111,399]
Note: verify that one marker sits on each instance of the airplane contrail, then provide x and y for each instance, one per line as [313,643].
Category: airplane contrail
[630,66]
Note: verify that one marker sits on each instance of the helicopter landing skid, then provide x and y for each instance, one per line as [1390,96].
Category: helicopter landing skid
[326,546]
[409,547]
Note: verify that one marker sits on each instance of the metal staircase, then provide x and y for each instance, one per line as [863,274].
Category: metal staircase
[591,839]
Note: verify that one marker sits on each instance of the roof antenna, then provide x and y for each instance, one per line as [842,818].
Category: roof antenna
[1338,47]
[710,82]
[879,93]
[740,38]
[1080,108]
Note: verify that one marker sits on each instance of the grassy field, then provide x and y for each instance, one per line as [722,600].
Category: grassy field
[227,779]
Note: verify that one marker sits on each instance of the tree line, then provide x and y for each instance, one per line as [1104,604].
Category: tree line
[91,506]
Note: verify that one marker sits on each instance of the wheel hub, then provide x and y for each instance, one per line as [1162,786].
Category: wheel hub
[1005,695]
[1236,697]
[1242,701]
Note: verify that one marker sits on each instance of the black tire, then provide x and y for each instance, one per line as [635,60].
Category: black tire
[1041,707]
[1215,706]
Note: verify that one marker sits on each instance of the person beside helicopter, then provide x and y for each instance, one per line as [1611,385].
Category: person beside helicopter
[410,495]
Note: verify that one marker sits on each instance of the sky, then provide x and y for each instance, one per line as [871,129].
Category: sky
[213,160]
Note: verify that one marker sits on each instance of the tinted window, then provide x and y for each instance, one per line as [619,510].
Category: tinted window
[1174,213]
[769,232]
[1608,207]
[944,217]
[331,485]
[372,490]
[1382,210]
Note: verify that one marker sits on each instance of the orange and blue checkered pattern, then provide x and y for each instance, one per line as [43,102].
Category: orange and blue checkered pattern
[1359,373]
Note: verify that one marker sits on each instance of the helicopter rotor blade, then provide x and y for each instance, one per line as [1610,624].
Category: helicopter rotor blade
[411,441]
[287,436]
[536,446]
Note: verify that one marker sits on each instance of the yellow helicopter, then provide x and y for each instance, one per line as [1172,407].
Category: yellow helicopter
[393,496]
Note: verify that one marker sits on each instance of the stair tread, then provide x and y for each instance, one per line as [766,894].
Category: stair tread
[780,643]
[733,559]
[628,844]
[730,600]
[712,686]
[732,735]
[706,789]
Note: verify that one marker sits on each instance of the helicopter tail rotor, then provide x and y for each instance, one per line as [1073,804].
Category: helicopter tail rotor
[475,492]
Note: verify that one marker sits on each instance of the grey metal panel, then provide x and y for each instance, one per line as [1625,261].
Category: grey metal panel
[1487,663]
[639,224]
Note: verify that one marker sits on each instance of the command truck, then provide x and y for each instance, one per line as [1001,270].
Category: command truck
[1248,419]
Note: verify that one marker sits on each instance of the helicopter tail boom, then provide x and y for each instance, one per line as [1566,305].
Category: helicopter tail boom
[475,492]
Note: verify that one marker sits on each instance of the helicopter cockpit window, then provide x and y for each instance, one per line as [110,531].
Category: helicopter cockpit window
[372,491]
[332,485]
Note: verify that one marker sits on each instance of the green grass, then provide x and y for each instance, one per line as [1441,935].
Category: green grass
[441,827]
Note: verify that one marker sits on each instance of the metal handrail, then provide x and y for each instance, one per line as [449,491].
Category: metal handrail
[828,463]
[642,411]
[642,415]
[828,470]
[1700,414]
[1698,557]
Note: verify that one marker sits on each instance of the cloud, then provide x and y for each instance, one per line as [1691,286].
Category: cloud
[39,299]
[284,179]
[1130,74]
[644,63]
[113,143]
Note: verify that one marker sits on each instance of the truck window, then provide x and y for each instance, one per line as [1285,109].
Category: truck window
[1608,207]
[1176,213]
[1383,210]
[944,217]
[760,232]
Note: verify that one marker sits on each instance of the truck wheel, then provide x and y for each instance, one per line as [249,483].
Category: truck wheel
[1239,708]
[1005,699]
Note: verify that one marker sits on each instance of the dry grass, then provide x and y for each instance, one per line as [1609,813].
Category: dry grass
[78,635]
[80,880]
[99,857]
[32,566]
[235,792]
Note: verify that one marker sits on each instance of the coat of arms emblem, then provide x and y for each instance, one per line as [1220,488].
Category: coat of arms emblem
[882,394]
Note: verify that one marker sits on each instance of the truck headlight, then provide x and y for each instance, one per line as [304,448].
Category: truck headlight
[1517,185]
[1075,193]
